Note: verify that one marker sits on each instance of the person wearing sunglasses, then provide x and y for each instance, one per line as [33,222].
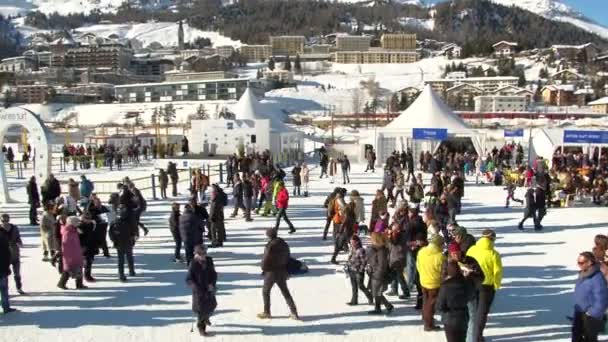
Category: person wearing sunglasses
[590,300]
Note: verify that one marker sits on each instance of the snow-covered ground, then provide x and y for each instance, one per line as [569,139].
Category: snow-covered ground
[164,33]
[536,297]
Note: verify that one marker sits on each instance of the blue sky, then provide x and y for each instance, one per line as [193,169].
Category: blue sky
[594,9]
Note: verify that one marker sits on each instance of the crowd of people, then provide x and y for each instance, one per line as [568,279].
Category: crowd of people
[410,246]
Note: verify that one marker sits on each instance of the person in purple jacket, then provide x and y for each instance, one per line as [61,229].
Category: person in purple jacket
[590,300]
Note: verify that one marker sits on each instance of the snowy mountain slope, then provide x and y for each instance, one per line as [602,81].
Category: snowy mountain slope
[556,10]
[164,33]
[59,6]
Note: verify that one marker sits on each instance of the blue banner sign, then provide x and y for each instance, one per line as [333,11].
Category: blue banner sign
[514,133]
[430,133]
[585,137]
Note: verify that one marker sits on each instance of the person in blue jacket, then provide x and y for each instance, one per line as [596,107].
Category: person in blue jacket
[590,300]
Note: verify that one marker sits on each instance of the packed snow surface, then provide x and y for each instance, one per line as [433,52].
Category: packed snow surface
[532,305]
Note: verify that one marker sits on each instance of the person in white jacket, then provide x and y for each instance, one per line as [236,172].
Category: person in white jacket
[305,178]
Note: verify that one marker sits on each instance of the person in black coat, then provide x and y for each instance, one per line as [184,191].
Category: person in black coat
[123,234]
[33,198]
[174,228]
[345,163]
[88,242]
[248,198]
[51,189]
[297,179]
[191,231]
[96,209]
[529,209]
[172,172]
[541,206]
[5,271]
[237,195]
[274,269]
[378,268]
[454,294]
[202,279]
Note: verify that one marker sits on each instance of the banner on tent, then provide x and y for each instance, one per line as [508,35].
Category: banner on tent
[430,133]
[514,133]
[585,137]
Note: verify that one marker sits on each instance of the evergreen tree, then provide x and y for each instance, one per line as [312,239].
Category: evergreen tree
[543,73]
[297,65]
[168,115]
[287,65]
[521,82]
[491,72]
[201,113]
[394,105]
[404,103]
[271,64]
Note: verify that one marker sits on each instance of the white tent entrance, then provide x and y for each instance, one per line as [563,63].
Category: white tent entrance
[38,139]
[428,113]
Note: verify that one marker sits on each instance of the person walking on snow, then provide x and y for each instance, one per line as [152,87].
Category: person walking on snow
[274,268]
[282,205]
[305,178]
[345,164]
[511,193]
[5,271]
[529,210]
[202,279]
[15,244]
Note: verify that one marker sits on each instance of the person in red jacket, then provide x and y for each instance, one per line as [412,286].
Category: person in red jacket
[282,204]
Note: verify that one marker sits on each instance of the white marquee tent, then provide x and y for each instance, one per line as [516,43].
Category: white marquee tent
[428,111]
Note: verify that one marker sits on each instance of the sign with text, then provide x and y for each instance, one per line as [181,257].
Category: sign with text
[514,133]
[430,133]
[585,137]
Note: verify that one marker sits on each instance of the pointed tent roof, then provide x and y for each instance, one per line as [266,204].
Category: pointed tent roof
[249,108]
[429,111]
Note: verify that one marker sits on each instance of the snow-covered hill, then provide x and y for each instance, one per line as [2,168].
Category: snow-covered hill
[557,10]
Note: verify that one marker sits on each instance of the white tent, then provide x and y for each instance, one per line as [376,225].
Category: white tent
[428,111]
[282,137]
[546,141]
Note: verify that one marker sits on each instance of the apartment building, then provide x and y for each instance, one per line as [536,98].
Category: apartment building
[17,64]
[36,93]
[353,43]
[199,76]
[375,57]
[256,53]
[195,90]
[112,56]
[497,103]
[398,41]
[287,45]
[487,84]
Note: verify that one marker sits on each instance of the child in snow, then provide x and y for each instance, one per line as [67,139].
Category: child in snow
[511,193]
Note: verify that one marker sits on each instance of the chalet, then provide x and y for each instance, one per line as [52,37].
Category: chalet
[462,96]
[516,91]
[504,48]
[589,51]
[567,76]
[559,95]
[600,106]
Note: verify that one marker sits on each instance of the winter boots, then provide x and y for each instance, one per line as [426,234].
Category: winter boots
[63,281]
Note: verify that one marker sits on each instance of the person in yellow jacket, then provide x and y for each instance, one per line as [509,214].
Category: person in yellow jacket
[491,264]
[429,261]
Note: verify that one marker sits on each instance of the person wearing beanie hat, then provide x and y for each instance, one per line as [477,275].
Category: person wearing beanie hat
[490,263]
[202,278]
[428,263]
[463,238]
